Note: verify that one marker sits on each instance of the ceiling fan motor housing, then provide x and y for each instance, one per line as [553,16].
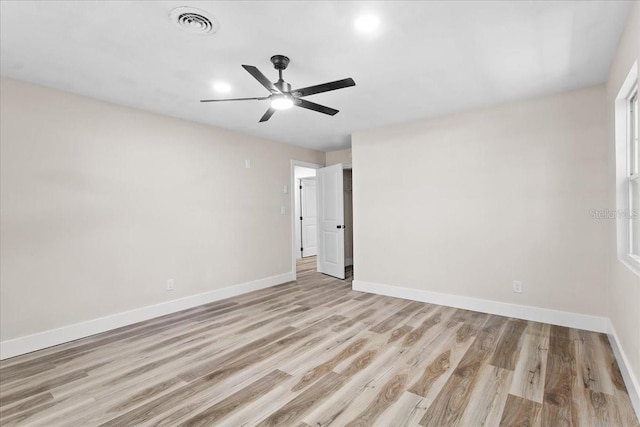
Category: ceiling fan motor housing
[283,86]
[280,62]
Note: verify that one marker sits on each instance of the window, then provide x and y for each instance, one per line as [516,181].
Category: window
[627,152]
[633,178]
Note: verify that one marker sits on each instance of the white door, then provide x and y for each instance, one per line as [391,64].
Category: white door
[308,216]
[330,221]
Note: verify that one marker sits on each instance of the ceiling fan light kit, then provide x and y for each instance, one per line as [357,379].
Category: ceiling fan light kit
[282,97]
[281,102]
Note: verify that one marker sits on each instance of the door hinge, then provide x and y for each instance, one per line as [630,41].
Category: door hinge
[300,218]
[301,187]
[301,249]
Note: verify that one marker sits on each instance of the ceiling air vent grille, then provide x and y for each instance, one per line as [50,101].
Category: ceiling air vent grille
[194,21]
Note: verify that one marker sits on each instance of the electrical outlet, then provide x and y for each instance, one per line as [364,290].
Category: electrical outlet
[171,284]
[517,286]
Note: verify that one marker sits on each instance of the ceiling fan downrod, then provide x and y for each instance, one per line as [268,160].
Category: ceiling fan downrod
[280,63]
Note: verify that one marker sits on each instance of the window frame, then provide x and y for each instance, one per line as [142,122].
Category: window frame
[632,175]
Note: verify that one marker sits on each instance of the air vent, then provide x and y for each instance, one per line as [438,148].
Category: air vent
[194,21]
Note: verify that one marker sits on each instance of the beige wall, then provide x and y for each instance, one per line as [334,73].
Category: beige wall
[624,287]
[102,204]
[467,203]
[340,156]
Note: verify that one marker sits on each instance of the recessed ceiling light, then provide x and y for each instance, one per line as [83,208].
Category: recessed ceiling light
[222,87]
[367,23]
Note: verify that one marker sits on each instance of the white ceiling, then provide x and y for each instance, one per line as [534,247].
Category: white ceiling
[426,59]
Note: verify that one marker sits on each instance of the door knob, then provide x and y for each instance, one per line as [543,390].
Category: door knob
[341,226]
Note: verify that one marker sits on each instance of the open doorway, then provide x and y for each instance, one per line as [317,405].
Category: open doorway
[306,223]
[302,174]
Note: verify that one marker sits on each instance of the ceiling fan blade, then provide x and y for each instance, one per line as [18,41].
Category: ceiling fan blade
[325,87]
[264,81]
[315,107]
[234,99]
[267,115]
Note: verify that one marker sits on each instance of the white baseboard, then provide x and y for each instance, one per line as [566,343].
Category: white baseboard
[630,380]
[537,314]
[29,343]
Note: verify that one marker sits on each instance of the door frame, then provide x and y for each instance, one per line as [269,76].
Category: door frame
[292,207]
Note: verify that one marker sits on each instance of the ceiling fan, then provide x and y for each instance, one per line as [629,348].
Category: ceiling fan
[282,97]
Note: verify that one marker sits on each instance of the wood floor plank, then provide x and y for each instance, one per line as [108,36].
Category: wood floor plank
[17,372]
[406,412]
[301,360]
[12,397]
[470,317]
[293,410]
[531,367]
[488,397]
[451,402]
[23,417]
[257,411]
[398,333]
[623,413]
[610,361]
[147,393]
[207,378]
[59,414]
[154,365]
[520,412]
[368,312]
[591,365]
[216,412]
[318,371]
[26,404]
[212,365]
[595,408]
[313,352]
[508,348]
[558,407]
[393,320]
[360,317]
[362,390]
[366,369]
[415,335]
[456,342]
[388,395]
[439,366]
[430,341]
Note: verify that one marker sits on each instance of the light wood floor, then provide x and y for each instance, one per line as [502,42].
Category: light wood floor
[315,353]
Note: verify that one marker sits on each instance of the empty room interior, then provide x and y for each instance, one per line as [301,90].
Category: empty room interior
[319,213]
